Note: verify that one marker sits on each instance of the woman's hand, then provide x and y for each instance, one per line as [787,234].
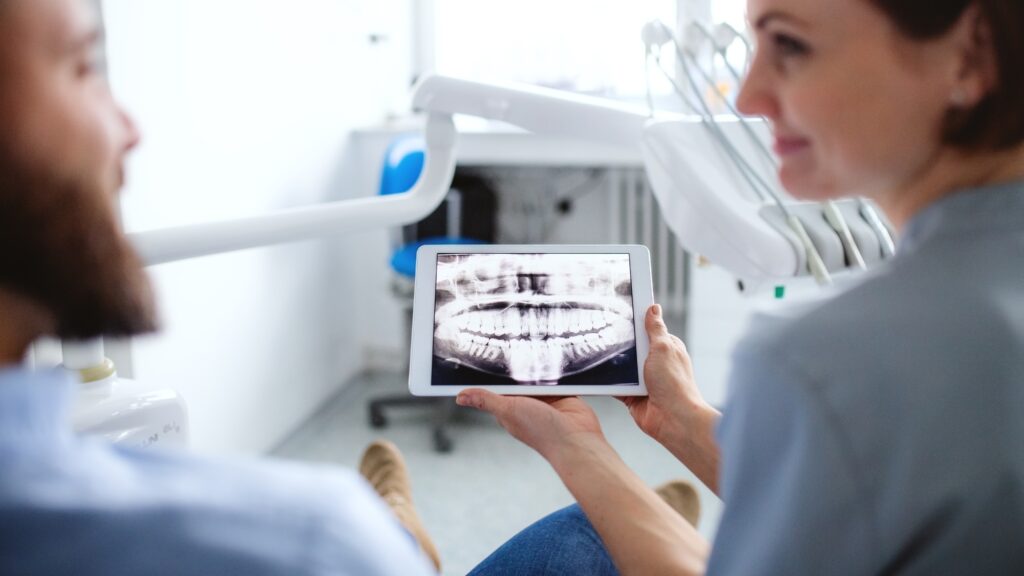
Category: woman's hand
[547,425]
[668,373]
[642,533]
[674,413]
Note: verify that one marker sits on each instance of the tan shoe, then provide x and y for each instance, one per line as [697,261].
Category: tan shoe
[683,498]
[384,468]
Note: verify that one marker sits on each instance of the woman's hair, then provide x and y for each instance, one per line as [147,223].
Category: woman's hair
[997,122]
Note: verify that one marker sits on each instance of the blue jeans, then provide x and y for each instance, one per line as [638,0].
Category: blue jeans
[561,543]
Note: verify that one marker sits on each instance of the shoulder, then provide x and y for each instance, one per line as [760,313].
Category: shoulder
[186,514]
[935,338]
[917,315]
[324,515]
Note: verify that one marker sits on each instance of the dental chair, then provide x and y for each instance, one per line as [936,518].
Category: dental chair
[466,216]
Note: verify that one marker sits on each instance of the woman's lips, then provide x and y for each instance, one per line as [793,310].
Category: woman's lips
[784,146]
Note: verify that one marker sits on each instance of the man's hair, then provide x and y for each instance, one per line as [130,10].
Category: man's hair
[997,122]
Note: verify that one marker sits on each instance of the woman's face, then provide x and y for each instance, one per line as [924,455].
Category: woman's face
[856,107]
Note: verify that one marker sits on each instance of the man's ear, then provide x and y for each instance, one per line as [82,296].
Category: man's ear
[977,68]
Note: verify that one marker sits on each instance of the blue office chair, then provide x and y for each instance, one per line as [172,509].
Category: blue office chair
[403,163]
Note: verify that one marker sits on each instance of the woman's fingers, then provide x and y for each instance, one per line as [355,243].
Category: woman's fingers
[483,400]
[655,323]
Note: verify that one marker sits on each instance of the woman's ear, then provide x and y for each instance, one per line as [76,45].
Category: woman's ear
[977,69]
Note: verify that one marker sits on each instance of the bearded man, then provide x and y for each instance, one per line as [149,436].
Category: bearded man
[77,506]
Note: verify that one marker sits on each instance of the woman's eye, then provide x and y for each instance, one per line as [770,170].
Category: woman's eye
[788,46]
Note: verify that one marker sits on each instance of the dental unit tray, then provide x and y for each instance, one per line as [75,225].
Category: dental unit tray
[530,319]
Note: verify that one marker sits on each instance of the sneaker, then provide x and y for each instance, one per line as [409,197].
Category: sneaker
[683,498]
[384,468]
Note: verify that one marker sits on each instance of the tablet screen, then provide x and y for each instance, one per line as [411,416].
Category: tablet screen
[533,319]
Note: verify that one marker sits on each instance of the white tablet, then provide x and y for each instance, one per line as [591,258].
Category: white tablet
[530,320]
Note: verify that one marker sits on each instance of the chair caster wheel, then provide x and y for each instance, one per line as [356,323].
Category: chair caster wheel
[377,419]
[442,443]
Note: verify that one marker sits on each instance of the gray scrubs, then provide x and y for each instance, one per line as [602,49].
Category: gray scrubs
[883,431]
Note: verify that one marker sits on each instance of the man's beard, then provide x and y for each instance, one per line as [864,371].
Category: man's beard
[61,247]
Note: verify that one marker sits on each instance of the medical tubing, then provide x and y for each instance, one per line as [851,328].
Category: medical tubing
[745,170]
[737,35]
[760,187]
[736,156]
[678,90]
[707,119]
[647,80]
[720,50]
[833,216]
[815,263]
[744,122]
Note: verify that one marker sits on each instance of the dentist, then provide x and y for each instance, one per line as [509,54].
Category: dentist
[881,432]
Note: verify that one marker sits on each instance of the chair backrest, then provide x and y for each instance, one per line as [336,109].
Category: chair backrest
[469,195]
[403,163]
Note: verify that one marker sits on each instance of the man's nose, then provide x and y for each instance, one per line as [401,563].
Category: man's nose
[132,136]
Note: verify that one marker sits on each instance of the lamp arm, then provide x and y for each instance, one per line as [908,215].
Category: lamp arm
[184,242]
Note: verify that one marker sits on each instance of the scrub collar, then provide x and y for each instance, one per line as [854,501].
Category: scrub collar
[989,208]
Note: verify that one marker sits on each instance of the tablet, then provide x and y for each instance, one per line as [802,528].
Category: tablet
[530,320]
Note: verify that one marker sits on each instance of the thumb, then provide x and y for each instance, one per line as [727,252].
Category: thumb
[483,400]
[654,322]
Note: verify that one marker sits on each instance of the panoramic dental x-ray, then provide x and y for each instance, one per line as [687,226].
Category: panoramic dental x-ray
[533,319]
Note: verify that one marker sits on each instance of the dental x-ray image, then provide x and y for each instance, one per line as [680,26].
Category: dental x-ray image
[534,319]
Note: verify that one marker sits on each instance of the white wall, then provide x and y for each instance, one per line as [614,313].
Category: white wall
[245,107]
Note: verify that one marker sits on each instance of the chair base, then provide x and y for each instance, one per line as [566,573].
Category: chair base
[443,411]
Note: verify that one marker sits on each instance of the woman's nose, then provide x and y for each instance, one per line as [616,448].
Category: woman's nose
[755,97]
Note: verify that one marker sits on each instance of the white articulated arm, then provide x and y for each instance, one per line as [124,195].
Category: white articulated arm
[539,110]
[181,243]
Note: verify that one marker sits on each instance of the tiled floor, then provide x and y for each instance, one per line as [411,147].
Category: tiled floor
[490,486]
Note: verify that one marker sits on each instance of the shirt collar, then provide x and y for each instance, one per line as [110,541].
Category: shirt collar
[988,208]
[35,403]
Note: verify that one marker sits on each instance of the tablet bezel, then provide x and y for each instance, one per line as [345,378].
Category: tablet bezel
[422,338]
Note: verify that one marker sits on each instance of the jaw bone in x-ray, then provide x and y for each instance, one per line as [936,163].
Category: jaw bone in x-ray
[534,318]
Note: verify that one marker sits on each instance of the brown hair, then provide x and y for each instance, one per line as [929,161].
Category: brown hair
[997,122]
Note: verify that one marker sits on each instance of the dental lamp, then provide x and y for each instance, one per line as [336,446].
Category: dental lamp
[695,186]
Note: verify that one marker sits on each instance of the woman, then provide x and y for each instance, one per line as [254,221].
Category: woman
[882,431]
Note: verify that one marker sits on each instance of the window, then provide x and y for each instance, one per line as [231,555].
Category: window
[732,12]
[590,46]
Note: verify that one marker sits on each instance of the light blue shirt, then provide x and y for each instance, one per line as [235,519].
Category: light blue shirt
[84,507]
[882,432]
